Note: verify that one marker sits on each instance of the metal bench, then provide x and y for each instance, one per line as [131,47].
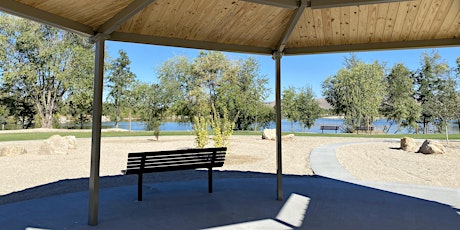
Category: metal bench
[329,127]
[364,128]
[183,159]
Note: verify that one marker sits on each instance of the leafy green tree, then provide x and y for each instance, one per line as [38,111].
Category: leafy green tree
[19,104]
[39,65]
[446,105]
[307,106]
[429,81]
[300,105]
[152,105]
[119,81]
[356,92]
[213,80]
[4,113]
[80,98]
[175,78]
[458,92]
[288,105]
[399,105]
[242,92]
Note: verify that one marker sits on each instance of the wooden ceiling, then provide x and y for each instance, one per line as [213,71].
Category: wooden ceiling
[256,26]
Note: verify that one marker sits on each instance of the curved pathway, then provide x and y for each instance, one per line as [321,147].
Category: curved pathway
[324,162]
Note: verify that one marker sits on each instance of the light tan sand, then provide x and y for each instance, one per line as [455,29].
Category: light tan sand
[384,161]
[35,175]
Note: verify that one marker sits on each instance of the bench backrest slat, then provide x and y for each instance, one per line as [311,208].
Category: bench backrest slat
[171,160]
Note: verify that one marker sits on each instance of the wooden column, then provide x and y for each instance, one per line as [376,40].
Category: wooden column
[96,133]
[279,171]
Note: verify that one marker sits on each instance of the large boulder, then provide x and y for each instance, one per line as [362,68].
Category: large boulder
[57,145]
[431,147]
[12,151]
[288,137]
[408,144]
[269,134]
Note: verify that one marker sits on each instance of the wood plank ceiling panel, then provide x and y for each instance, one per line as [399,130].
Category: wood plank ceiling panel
[438,20]
[381,19]
[224,21]
[344,25]
[451,23]
[419,21]
[378,23]
[88,12]
[362,27]
[354,24]
[408,22]
[335,22]
[390,21]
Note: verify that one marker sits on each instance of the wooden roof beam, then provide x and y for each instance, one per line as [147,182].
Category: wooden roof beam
[28,12]
[318,4]
[292,23]
[455,42]
[287,4]
[165,41]
[115,22]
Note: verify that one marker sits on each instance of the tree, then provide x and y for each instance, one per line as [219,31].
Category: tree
[446,104]
[213,80]
[80,98]
[429,81]
[356,92]
[177,82]
[458,92]
[288,105]
[307,106]
[399,106]
[300,105]
[40,64]
[242,92]
[119,80]
[152,105]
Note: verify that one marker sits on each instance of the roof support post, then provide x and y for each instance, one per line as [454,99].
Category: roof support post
[279,163]
[96,132]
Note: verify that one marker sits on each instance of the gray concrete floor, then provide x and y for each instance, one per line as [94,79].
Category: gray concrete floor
[317,202]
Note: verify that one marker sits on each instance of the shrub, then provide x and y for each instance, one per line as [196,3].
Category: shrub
[200,127]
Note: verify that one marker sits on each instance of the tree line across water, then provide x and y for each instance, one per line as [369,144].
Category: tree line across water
[47,73]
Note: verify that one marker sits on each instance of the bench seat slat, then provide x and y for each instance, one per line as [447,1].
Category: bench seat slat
[172,163]
[181,151]
[177,159]
[155,155]
[169,168]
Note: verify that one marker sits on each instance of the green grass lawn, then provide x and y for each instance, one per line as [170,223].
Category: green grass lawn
[46,135]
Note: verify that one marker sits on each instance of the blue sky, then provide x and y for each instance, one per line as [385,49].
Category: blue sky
[297,71]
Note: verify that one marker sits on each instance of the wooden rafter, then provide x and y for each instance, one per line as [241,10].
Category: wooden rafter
[288,4]
[156,40]
[318,4]
[292,23]
[374,46]
[25,11]
[122,16]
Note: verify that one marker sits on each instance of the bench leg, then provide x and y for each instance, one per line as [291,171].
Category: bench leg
[139,188]
[210,180]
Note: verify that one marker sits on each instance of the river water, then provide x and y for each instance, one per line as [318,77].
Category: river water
[286,126]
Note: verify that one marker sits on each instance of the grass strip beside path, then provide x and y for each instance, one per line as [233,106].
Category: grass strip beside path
[22,136]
